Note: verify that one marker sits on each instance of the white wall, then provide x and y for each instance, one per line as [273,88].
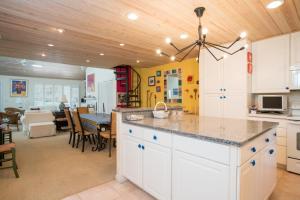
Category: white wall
[102,77]
[7,101]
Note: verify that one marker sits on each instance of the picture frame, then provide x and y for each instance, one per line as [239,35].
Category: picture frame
[90,83]
[158,89]
[158,73]
[18,88]
[151,81]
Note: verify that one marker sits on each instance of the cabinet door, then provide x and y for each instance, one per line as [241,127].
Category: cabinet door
[295,49]
[268,171]
[212,105]
[250,182]
[132,160]
[235,73]
[271,65]
[157,171]
[211,72]
[197,178]
[235,105]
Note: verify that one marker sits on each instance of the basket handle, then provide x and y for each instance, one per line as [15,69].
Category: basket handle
[160,102]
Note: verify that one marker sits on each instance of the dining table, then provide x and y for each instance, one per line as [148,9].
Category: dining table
[94,122]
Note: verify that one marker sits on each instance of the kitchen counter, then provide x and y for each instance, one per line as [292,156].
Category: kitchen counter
[220,130]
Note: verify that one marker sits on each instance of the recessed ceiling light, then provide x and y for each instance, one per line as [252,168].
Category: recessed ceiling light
[60,30]
[43,55]
[158,51]
[138,61]
[87,60]
[204,31]
[183,36]
[243,34]
[51,45]
[172,58]
[132,16]
[275,4]
[246,46]
[122,44]
[101,54]
[37,66]
[168,40]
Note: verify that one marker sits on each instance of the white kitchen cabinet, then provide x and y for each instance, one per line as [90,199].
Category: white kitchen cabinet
[157,171]
[295,49]
[271,65]
[133,159]
[197,178]
[234,105]
[212,105]
[250,179]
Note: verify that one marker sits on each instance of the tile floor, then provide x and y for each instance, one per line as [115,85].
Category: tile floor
[288,188]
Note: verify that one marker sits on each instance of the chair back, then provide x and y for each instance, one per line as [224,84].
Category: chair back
[113,123]
[77,122]
[83,110]
[69,119]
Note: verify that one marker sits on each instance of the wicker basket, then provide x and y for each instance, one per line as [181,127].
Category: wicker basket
[161,114]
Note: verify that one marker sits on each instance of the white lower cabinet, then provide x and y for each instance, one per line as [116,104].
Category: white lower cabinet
[148,166]
[157,171]
[133,160]
[197,178]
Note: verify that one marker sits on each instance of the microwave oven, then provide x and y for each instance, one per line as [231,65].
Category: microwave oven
[276,103]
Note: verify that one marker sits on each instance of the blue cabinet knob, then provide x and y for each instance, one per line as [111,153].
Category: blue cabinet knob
[221,97]
[224,97]
[267,140]
[253,163]
[271,151]
[154,137]
[130,131]
[253,149]
[139,146]
[275,134]
[143,147]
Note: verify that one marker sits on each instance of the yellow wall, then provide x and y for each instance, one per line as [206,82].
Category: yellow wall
[188,67]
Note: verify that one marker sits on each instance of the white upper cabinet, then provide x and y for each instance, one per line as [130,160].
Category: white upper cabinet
[295,49]
[271,65]
[211,73]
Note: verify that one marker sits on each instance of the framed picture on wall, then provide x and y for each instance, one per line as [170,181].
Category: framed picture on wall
[90,83]
[151,81]
[18,88]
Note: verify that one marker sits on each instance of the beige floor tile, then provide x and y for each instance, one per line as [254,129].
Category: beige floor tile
[97,193]
[73,197]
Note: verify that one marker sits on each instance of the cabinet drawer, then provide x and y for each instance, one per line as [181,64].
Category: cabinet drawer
[281,132]
[158,137]
[281,141]
[253,147]
[201,148]
[133,131]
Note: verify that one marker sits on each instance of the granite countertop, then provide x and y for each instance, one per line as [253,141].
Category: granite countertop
[221,130]
[125,110]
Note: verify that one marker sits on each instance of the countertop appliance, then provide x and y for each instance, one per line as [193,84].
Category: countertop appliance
[295,77]
[293,145]
[272,103]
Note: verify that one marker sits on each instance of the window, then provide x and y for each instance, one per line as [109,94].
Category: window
[38,95]
[48,95]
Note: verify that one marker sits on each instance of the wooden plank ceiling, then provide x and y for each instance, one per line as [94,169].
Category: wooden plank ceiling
[99,26]
[32,68]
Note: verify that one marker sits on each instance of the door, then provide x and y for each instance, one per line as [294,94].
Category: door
[235,73]
[157,171]
[295,49]
[196,178]
[132,160]
[235,105]
[211,72]
[106,96]
[249,179]
[268,170]
[212,105]
[270,65]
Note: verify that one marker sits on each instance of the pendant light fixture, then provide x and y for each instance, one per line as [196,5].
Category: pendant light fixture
[201,42]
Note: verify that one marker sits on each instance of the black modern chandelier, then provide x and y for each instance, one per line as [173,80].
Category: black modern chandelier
[201,42]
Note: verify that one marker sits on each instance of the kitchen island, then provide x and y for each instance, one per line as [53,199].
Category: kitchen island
[191,157]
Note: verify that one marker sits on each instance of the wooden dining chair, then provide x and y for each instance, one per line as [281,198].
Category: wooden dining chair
[71,127]
[111,133]
[9,149]
[82,134]
[83,110]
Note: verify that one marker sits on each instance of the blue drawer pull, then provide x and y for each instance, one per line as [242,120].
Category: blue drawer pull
[271,151]
[130,131]
[253,162]
[253,149]
[139,146]
[143,147]
[154,137]
[275,134]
